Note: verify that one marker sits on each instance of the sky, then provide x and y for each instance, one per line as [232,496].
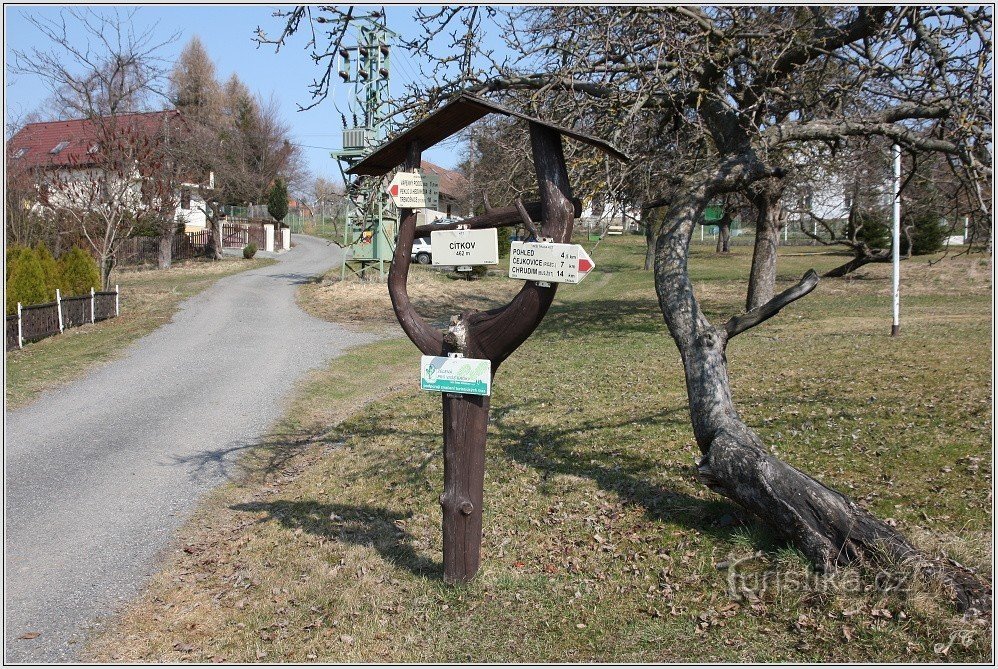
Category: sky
[227,32]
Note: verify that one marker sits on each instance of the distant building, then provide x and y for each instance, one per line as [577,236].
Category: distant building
[609,216]
[299,209]
[68,151]
[454,194]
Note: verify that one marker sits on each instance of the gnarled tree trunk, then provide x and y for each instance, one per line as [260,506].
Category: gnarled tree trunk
[768,224]
[851,266]
[652,223]
[166,248]
[214,248]
[723,234]
[826,525]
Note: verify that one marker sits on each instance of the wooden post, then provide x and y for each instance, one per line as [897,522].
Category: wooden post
[117,303]
[20,336]
[93,305]
[492,335]
[58,305]
[466,420]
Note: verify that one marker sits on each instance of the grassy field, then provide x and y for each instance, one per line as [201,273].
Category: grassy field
[149,298]
[600,545]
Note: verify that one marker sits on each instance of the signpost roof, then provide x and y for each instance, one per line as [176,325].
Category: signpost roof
[450,119]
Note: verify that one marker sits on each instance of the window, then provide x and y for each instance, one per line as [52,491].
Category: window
[185,198]
[59,147]
[20,153]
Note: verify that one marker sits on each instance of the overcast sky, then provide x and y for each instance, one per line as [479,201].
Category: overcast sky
[227,32]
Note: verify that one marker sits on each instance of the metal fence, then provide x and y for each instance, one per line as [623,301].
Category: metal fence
[37,321]
[254,231]
[330,227]
[744,235]
[323,223]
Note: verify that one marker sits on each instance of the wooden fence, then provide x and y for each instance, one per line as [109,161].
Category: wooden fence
[13,331]
[145,250]
[236,233]
[106,304]
[76,311]
[37,321]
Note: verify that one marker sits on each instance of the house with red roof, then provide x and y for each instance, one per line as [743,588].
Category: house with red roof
[70,151]
[454,192]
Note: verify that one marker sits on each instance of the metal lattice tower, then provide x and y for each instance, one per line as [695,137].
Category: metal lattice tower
[372,220]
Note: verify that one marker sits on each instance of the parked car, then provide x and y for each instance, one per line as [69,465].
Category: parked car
[448,219]
[421,251]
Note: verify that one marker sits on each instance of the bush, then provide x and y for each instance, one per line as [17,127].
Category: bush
[927,235]
[26,281]
[871,228]
[249,250]
[14,253]
[505,237]
[50,268]
[79,272]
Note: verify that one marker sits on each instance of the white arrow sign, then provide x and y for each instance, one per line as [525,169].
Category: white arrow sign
[544,261]
[413,190]
[465,247]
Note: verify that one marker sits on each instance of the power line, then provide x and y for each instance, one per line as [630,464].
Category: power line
[309,146]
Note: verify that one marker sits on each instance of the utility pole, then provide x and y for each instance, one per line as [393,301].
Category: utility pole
[896,244]
[371,219]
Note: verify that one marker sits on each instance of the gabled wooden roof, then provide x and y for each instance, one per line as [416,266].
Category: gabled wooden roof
[450,119]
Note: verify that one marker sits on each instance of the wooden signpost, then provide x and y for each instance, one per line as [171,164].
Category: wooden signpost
[477,336]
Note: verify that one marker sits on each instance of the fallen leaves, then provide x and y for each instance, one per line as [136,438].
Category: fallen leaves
[30,635]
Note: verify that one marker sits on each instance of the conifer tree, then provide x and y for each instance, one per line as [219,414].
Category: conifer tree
[277,201]
[79,273]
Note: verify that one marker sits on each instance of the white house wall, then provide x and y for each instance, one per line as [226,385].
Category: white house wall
[74,189]
[194,218]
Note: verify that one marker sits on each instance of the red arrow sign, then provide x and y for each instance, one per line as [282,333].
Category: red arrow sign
[394,190]
[585,264]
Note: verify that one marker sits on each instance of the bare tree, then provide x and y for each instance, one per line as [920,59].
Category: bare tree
[116,186]
[743,88]
[861,171]
[235,144]
[116,67]
[329,201]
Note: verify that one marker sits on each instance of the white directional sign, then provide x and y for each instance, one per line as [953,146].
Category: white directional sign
[544,261]
[413,190]
[465,247]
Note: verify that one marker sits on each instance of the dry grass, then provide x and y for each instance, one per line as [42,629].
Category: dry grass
[366,303]
[600,545]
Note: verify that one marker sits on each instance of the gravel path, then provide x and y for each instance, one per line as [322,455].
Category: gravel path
[101,472]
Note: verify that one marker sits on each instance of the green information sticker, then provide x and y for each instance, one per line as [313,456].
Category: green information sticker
[468,376]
